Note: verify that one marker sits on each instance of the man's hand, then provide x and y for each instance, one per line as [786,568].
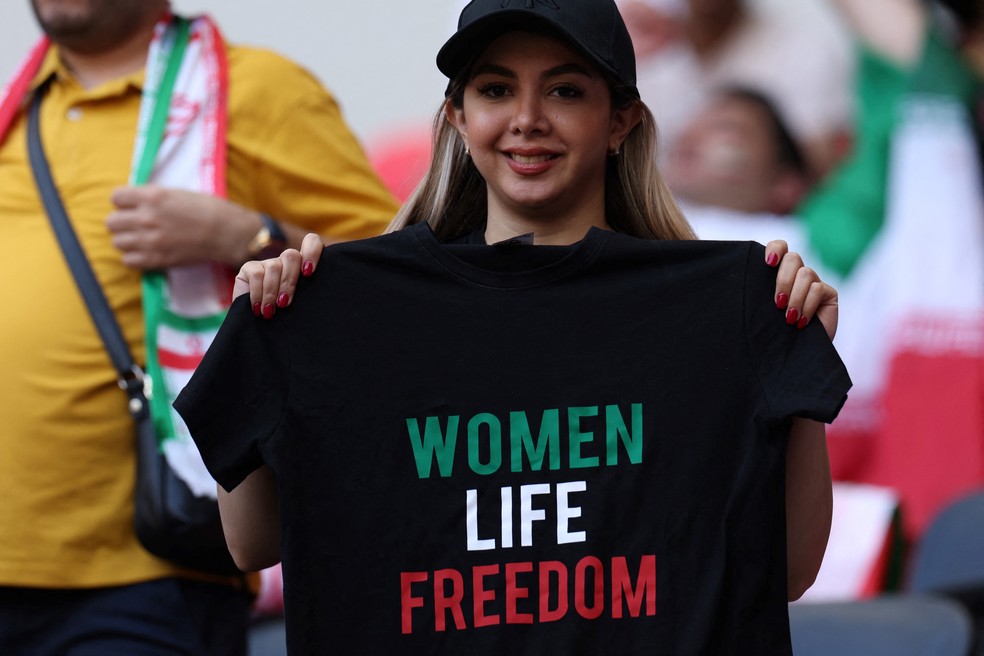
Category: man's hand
[155,228]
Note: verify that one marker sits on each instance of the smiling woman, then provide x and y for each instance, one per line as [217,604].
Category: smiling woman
[487,502]
[539,124]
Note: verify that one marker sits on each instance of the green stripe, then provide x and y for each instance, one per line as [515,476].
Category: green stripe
[191,324]
[162,101]
[154,282]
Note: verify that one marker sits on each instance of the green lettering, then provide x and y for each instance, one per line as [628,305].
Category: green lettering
[615,429]
[434,444]
[547,441]
[495,444]
[577,438]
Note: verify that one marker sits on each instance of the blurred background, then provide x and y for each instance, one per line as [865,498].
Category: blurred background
[377,56]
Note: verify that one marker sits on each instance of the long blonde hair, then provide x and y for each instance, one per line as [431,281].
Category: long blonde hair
[451,197]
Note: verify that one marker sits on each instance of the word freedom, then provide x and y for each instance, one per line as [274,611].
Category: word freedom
[532,593]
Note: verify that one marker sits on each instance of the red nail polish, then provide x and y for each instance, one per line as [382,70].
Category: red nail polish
[283,300]
[256,309]
[307,268]
[782,300]
[792,314]
[268,311]
[801,324]
[772,260]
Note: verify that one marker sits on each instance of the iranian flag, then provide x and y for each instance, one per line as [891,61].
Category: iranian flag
[912,323]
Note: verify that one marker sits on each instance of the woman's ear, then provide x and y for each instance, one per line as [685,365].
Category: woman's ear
[456,117]
[623,121]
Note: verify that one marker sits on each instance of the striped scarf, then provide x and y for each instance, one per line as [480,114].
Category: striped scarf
[181,143]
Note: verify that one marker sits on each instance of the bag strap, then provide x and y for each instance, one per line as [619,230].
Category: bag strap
[131,377]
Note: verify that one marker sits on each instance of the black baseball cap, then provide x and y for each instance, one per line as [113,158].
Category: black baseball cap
[595,27]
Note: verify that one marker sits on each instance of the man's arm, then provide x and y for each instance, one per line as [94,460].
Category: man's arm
[892,28]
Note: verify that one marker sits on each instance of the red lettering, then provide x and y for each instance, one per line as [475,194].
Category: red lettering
[559,570]
[481,596]
[538,582]
[514,593]
[645,586]
[407,601]
[444,602]
[589,612]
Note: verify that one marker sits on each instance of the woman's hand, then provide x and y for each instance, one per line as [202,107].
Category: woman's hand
[799,290]
[271,283]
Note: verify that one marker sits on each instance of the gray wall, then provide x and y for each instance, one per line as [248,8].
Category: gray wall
[377,56]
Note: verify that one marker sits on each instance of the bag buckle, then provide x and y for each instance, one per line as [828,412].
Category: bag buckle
[131,382]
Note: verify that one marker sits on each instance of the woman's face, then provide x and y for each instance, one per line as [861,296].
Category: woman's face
[539,124]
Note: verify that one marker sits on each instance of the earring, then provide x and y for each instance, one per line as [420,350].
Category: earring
[615,152]
[467,151]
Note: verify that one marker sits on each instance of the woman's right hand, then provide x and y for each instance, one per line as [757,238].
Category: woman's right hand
[271,283]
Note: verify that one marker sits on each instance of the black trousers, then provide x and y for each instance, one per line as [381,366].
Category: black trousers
[166,617]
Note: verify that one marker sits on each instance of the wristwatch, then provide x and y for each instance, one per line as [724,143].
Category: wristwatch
[269,242]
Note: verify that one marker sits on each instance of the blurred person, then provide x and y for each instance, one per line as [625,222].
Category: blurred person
[693,47]
[255,154]
[905,50]
[738,153]
[485,503]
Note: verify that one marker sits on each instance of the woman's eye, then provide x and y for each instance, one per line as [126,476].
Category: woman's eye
[567,91]
[493,90]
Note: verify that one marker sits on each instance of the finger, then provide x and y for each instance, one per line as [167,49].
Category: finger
[821,303]
[790,264]
[127,197]
[244,283]
[270,286]
[122,220]
[795,314]
[290,261]
[775,250]
[310,255]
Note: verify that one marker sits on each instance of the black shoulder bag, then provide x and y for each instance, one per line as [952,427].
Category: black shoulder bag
[169,520]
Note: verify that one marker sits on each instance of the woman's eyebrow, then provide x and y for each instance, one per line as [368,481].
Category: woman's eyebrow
[493,69]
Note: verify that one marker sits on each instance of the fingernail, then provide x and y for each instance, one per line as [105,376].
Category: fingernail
[792,314]
[772,259]
[782,300]
[307,268]
[268,311]
[256,309]
[283,300]
[801,324]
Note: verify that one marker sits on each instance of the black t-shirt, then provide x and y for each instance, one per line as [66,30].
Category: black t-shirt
[523,450]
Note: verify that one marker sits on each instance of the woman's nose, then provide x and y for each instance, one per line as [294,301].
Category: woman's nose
[529,116]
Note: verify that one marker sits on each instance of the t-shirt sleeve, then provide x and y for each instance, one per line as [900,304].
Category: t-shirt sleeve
[800,372]
[236,399]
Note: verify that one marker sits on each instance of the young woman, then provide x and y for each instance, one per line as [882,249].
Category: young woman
[463,443]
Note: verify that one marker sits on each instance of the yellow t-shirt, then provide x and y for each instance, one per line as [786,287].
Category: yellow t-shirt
[66,439]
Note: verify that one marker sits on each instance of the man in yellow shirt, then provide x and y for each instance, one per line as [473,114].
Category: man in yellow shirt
[73,577]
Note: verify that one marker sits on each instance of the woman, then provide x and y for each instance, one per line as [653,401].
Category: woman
[480,449]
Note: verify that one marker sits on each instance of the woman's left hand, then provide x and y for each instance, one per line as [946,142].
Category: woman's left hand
[799,290]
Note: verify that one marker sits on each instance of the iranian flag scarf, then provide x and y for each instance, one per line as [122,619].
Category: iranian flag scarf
[181,143]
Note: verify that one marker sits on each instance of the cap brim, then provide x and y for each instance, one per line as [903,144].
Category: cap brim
[468,42]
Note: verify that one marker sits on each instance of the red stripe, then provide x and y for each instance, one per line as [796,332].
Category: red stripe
[173,360]
[12,96]
[218,55]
